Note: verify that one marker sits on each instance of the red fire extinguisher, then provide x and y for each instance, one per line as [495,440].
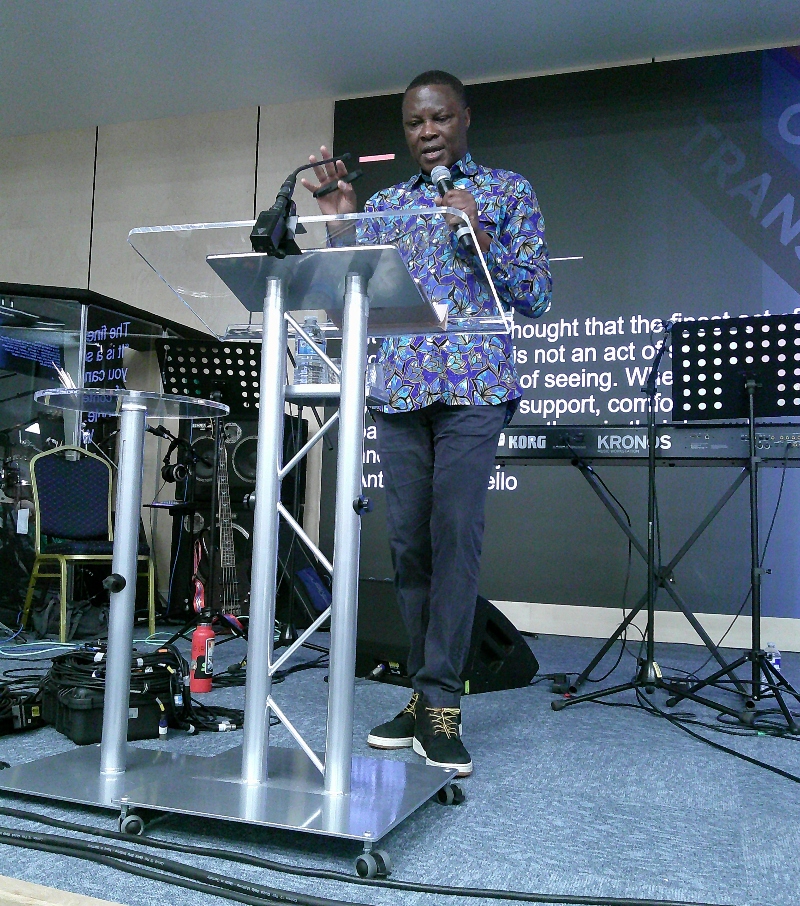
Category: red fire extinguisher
[201,669]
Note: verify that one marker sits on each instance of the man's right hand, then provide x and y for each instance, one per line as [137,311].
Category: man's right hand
[341,201]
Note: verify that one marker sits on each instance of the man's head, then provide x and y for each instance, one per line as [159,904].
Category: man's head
[435,119]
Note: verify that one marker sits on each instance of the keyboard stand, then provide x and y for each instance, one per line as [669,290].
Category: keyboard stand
[664,578]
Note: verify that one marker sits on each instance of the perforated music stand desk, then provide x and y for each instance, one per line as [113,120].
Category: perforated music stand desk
[368,291]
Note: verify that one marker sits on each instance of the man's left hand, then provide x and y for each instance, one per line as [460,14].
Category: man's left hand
[464,201]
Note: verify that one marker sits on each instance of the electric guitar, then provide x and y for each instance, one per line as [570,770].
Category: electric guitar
[232,588]
[229,579]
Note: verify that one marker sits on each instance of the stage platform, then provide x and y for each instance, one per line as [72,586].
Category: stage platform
[591,801]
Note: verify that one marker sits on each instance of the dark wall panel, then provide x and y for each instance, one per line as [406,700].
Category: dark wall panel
[669,192]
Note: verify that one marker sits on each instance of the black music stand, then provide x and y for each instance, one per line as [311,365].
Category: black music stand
[185,509]
[193,368]
[749,368]
[227,371]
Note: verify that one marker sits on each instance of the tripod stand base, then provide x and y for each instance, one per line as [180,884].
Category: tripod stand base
[648,676]
[647,679]
[775,687]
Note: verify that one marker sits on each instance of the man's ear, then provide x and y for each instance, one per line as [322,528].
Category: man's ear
[467,116]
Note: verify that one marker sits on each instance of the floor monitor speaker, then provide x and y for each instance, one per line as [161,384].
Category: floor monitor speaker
[499,657]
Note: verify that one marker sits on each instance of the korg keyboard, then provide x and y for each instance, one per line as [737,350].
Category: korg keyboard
[701,445]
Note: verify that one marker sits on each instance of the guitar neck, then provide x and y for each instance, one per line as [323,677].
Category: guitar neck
[230,584]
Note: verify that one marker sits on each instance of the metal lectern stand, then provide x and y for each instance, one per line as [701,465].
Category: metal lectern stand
[366,290]
[335,793]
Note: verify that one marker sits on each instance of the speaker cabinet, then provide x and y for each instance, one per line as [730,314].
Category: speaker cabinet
[185,529]
[499,657]
[241,448]
[241,443]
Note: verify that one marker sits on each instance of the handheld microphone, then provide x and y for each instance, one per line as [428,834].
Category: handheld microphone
[440,177]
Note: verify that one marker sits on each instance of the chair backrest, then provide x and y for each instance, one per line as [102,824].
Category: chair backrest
[72,494]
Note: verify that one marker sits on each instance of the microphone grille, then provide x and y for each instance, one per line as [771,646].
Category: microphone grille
[439,173]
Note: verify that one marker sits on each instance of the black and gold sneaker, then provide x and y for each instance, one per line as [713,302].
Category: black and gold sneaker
[397,733]
[438,738]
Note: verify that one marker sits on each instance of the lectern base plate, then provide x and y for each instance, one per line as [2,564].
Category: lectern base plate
[383,792]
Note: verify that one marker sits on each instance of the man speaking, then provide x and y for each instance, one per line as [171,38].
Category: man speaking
[449,398]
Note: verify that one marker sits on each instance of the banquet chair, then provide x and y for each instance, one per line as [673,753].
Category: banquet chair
[72,500]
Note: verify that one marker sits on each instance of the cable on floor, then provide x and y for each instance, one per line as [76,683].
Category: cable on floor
[326,874]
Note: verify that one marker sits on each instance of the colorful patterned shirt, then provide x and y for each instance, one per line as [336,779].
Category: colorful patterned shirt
[462,370]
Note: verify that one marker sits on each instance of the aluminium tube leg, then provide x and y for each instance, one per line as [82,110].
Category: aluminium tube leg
[255,744]
[113,747]
[347,537]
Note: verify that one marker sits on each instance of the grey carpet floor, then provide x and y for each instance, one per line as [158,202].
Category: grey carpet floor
[594,801]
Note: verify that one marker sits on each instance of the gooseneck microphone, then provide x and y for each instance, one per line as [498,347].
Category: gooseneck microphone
[275,228]
[441,178]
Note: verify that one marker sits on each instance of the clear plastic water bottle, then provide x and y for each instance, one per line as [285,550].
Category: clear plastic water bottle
[773,655]
[309,367]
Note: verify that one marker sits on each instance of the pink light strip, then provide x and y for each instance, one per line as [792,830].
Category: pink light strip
[375,158]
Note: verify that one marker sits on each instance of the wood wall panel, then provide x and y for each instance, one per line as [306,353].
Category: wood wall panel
[289,133]
[46,207]
[183,170]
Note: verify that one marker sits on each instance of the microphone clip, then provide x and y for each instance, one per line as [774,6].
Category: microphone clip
[274,230]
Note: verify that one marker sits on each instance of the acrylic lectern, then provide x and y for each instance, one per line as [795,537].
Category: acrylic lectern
[358,271]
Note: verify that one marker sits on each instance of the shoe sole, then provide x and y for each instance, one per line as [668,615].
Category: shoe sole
[385,742]
[464,770]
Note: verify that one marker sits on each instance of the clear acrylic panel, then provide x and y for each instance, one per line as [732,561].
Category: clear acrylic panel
[120,353]
[110,401]
[39,338]
[212,268]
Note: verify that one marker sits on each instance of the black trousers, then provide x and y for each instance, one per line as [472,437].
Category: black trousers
[436,463]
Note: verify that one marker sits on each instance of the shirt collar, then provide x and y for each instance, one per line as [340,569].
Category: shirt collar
[466,166]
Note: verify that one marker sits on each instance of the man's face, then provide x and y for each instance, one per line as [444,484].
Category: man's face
[435,124]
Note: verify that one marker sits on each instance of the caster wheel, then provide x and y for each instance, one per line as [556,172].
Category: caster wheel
[452,794]
[384,862]
[445,795]
[132,824]
[367,866]
[374,864]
